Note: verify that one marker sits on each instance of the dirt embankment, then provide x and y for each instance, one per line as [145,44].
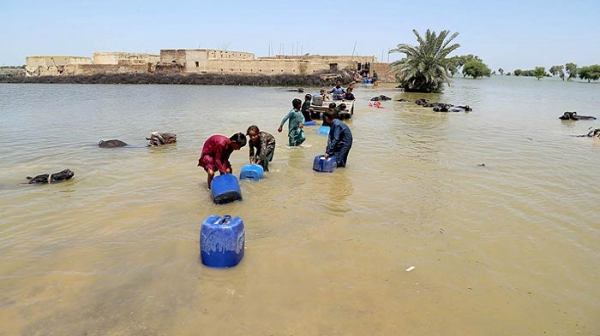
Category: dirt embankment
[191,79]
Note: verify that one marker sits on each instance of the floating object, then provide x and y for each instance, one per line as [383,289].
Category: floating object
[222,241]
[225,188]
[410,268]
[324,130]
[317,100]
[310,123]
[324,165]
[251,172]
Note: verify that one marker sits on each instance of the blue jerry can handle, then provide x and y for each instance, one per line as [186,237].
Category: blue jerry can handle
[224,220]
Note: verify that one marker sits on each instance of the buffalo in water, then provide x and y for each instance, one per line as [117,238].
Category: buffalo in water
[111,143]
[594,133]
[381,98]
[573,116]
[51,178]
[159,139]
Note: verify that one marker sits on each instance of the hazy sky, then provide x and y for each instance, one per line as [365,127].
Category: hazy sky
[505,34]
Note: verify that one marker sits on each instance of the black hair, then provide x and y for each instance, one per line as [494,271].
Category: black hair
[308,96]
[342,106]
[296,102]
[239,138]
[329,114]
[332,105]
[253,128]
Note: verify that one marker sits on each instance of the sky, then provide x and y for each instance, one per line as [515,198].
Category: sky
[506,34]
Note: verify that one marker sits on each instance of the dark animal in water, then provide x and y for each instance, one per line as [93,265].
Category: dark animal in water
[381,98]
[111,143]
[402,100]
[159,139]
[51,178]
[573,116]
[300,90]
[422,102]
[594,133]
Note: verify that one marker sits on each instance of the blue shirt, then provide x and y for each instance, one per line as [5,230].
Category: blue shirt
[340,136]
[337,92]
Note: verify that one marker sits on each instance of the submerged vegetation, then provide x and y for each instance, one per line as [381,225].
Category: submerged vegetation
[426,66]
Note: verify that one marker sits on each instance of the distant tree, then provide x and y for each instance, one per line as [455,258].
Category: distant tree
[425,68]
[476,69]
[457,62]
[591,73]
[557,70]
[518,72]
[571,69]
[501,71]
[539,72]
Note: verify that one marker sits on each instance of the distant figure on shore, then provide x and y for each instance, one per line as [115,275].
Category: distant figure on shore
[264,143]
[340,139]
[337,90]
[216,151]
[296,123]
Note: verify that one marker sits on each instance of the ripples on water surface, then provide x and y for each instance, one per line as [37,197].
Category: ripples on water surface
[509,248]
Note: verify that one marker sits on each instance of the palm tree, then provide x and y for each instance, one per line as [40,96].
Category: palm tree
[425,68]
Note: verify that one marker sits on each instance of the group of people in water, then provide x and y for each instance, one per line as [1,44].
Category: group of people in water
[218,148]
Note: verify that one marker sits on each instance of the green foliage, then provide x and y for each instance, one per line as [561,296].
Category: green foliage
[457,62]
[501,71]
[557,70]
[571,69]
[590,73]
[539,72]
[476,68]
[518,72]
[425,67]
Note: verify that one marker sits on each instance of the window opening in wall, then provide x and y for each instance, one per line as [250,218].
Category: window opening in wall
[197,64]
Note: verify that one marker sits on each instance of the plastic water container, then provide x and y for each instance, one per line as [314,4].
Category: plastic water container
[324,165]
[222,241]
[251,172]
[317,100]
[324,130]
[225,188]
[310,123]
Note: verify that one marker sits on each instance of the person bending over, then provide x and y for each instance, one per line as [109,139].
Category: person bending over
[339,142]
[216,151]
[264,143]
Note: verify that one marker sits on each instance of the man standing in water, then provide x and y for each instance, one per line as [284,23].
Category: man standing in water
[337,90]
[339,142]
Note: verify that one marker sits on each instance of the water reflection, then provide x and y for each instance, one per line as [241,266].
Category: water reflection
[115,250]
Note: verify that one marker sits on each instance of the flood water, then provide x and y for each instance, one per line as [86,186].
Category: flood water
[508,248]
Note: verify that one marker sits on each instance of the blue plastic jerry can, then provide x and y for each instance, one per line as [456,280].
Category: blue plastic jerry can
[252,172]
[324,130]
[324,165]
[225,188]
[222,241]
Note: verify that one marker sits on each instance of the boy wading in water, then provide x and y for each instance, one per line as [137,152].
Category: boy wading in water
[264,143]
[296,123]
[216,151]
